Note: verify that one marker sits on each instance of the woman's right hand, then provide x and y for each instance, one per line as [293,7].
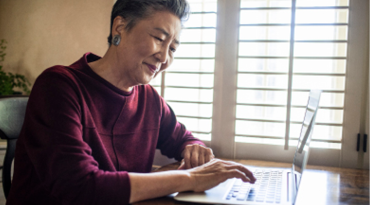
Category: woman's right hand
[157,184]
[216,171]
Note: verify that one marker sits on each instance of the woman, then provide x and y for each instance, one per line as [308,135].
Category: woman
[91,128]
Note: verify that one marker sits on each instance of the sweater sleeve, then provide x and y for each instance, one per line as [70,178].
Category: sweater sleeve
[54,143]
[173,136]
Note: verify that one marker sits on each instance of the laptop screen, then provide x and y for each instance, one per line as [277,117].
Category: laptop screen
[301,154]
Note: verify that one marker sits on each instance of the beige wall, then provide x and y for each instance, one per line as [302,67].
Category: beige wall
[43,33]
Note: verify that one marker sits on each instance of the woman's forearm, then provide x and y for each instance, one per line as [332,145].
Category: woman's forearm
[152,185]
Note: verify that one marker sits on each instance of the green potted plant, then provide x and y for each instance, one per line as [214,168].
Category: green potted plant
[10,81]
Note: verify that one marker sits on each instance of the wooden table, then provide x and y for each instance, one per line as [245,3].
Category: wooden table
[320,185]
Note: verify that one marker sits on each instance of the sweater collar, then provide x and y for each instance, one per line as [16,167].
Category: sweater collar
[82,65]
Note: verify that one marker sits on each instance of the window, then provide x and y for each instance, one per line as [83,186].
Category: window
[285,50]
[241,77]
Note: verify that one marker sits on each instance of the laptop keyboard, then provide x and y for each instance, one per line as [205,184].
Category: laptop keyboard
[267,188]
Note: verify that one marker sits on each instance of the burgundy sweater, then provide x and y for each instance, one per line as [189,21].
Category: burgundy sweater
[82,135]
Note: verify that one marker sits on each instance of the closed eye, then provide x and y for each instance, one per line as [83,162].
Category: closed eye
[159,39]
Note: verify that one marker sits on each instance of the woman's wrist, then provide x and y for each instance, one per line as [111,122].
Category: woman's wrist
[187,180]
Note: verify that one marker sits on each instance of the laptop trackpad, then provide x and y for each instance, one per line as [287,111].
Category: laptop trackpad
[213,195]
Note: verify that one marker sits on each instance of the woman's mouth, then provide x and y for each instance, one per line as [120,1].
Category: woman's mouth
[152,68]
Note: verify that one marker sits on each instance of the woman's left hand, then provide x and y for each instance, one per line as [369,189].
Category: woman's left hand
[195,155]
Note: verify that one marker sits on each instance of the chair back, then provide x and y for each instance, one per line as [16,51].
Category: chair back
[12,112]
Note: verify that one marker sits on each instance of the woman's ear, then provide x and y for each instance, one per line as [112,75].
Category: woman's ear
[118,26]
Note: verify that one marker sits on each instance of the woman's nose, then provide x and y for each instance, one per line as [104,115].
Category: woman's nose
[162,55]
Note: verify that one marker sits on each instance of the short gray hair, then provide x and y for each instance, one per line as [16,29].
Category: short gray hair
[135,10]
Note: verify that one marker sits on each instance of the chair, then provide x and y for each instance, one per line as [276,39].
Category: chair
[12,111]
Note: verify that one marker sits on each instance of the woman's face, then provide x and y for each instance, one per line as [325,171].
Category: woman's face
[148,47]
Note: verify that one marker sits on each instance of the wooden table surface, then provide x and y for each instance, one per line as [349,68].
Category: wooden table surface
[320,185]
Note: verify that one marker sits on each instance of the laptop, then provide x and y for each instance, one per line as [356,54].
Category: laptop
[273,185]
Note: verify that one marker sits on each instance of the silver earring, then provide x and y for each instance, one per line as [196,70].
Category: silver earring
[116,39]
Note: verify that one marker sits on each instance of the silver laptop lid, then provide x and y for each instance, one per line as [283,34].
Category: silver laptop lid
[301,154]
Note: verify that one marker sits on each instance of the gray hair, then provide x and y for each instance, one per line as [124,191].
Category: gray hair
[136,10]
